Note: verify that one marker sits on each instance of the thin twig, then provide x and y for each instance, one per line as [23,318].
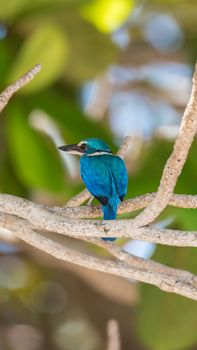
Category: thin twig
[79,199]
[113,335]
[10,90]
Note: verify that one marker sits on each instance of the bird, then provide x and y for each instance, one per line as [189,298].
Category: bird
[103,173]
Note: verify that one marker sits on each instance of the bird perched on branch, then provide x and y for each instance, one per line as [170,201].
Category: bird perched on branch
[103,173]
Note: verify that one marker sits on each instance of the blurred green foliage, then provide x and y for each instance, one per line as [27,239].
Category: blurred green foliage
[70,40]
[47,46]
[168,321]
[106,15]
[30,150]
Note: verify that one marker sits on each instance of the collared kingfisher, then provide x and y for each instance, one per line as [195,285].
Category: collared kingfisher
[103,173]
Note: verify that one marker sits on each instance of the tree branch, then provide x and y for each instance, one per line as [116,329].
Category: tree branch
[124,147]
[140,263]
[44,218]
[128,206]
[24,231]
[175,162]
[79,199]
[113,335]
[10,90]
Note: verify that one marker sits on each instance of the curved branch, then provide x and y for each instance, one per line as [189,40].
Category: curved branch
[128,206]
[44,218]
[91,212]
[140,263]
[24,231]
[23,206]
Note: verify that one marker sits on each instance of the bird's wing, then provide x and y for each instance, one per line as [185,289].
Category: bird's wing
[120,176]
[95,173]
[100,172]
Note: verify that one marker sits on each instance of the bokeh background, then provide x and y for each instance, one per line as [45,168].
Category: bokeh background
[110,68]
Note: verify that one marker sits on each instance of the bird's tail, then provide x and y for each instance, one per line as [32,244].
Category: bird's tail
[109,213]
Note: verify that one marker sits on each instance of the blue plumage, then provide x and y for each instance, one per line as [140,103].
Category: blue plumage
[103,173]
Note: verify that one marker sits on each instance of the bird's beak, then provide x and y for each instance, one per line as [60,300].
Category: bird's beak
[72,149]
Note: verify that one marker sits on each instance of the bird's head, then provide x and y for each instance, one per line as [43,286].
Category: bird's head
[89,147]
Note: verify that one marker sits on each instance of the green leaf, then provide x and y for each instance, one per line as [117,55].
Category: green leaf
[168,321]
[34,157]
[48,46]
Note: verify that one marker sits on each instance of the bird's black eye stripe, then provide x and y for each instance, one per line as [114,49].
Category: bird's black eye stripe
[83,146]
